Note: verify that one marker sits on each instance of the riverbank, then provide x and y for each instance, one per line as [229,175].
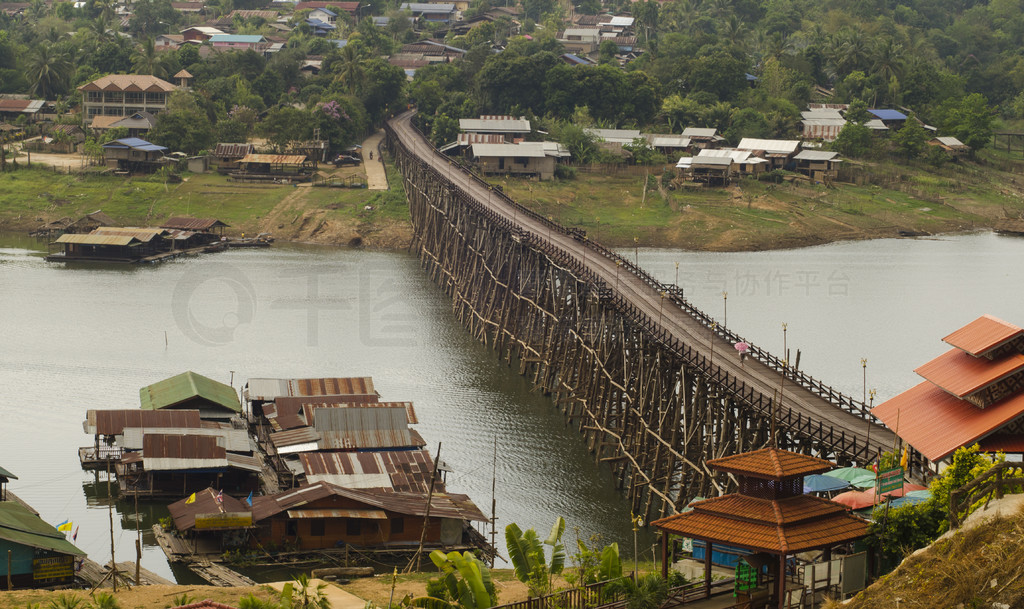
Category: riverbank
[616,210]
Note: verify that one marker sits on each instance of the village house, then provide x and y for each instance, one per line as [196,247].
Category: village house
[822,124]
[703,137]
[190,391]
[199,33]
[177,463]
[952,146]
[239,42]
[892,119]
[820,166]
[124,95]
[525,159]
[778,153]
[441,12]
[138,124]
[325,15]
[580,40]
[667,143]
[205,230]
[228,154]
[349,8]
[271,167]
[132,155]
[168,41]
[107,428]
[322,516]
[36,554]
[259,392]
[32,109]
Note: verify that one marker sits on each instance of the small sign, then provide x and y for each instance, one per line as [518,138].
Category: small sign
[53,568]
[225,520]
[890,480]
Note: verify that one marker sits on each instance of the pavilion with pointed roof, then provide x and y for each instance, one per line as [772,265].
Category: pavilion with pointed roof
[972,393]
[768,516]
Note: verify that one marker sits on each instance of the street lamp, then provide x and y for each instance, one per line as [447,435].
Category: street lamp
[864,365]
[618,265]
[725,309]
[636,250]
[661,310]
[637,523]
[677,274]
[785,351]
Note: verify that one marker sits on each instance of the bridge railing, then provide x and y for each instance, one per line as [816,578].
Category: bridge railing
[822,390]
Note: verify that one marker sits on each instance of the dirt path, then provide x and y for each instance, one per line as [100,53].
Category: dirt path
[376,178]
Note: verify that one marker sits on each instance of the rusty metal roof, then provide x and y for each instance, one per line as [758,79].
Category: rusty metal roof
[403,471]
[192,224]
[937,423]
[338,513]
[962,374]
[411,504]
[295,440]
[144,235]
[983,334]
[266,389]
[228,150]
[363,428]
[113,422]
[95,239]
[163,452]
[772,464]
[234,440]
[274,159]
[293,405]
[281,419]
[184,514]
[309,408]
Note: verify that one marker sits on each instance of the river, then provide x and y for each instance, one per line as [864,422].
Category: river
[86,337]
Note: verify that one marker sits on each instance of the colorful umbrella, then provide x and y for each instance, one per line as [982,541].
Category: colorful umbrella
[857,476]
[861,499]
[815,483]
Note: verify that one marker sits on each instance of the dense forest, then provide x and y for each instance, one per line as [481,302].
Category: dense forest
[746,67]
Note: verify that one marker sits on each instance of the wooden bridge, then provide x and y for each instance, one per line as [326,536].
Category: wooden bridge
[654,384]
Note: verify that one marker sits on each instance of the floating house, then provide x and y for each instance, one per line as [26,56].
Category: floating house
[260,391]
[972,393]
[107,428]
[202,230]
[767,521]
[323,516]
[172,464]
[36,554]
[190,391]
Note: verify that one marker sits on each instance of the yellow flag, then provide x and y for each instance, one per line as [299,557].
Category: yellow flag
[67,525]
[191,498]
[905,457]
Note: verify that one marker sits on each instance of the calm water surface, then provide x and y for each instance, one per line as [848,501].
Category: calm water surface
[78,338]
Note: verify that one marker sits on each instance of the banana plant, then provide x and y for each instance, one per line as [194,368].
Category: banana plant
[467,582]
[526,552]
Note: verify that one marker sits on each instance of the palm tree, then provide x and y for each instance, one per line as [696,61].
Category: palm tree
[351,69]
[146,60]
[887,63]
[49,69]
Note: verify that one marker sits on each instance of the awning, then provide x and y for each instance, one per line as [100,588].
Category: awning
[367,514]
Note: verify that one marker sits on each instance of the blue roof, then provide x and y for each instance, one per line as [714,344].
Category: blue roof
[751,76]
[250,38]
[577,60]
[136,143]
[323,25]
[326,10]
[339,43]
[889,115]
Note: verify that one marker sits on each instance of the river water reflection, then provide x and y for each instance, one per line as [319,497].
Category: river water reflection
[78,338]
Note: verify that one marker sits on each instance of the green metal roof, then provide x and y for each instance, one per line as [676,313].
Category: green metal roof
[185,386]
[19,525]
[6,474]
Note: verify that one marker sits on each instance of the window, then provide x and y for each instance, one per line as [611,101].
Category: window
[134,97]
[316,528]
[114,97]
[291,528]
[353,528]
[397,526]
[521,160]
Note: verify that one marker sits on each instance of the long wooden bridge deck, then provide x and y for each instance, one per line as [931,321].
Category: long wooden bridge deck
[800,403]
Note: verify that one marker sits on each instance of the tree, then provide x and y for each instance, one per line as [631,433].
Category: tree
[49,69]
[183,126]
[350,69]
[443,130]
[536,9]
[854,140]
[146,60]
[593,566]
[150,17]
[968,119]
[526,552]
[911,138]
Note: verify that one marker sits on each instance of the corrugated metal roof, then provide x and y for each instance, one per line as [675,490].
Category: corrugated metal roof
[952,142]
[769,146]
[236,440]
[338,513]
[412,504]
[621,21]
[504,125]
[285,441]
[245,462]
[242,38]
[229,150]
[467,139]
[162,452]
[281,420]
[135,144]
[308,409]
[700,132]
[78,239]
[621,136]
[710,161]
[129,82]
[274,159]
[887,114]
[192,224]
[177,389]
[428,7]
[18,525]
[523,149]
[816,155]
[144,235]
[983,334]
[402,471]
[936,423]
[772,464]
[267,389]
[114,422]
[362,428]
[823,113]
[668,141]
[962,374]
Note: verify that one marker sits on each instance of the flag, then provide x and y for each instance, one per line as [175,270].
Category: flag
[74,536]
[249,499]
[191,498]
[220,497]
[874,467]
[905,457]
[65,526]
